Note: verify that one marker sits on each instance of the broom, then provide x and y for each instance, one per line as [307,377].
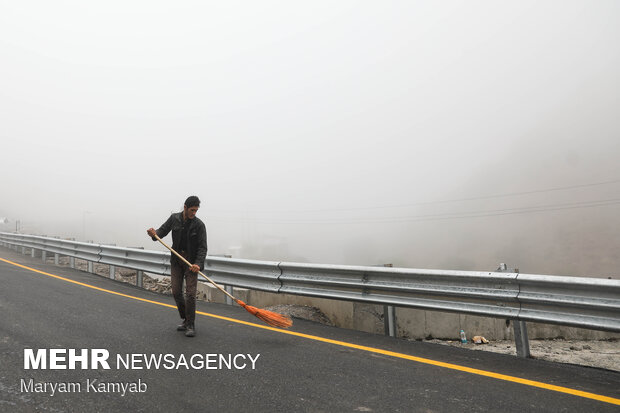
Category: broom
[272,318]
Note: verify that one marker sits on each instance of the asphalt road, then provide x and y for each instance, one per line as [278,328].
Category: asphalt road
[294,372]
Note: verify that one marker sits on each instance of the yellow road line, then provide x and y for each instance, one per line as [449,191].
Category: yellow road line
[485,373]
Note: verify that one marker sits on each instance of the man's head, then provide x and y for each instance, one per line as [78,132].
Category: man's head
[191,206]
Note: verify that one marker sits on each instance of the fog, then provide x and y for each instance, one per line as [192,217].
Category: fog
[452,135]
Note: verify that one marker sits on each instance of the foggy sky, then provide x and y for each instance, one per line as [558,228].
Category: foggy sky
[333,132]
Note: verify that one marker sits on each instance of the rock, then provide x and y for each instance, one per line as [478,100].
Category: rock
[304,312]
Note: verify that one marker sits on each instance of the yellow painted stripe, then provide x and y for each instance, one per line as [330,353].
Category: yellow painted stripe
[484,373]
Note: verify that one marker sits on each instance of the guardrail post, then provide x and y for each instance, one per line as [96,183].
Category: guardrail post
[521,340]
[389,313]
[91,268]
[112,272]
[33,252]
[56,259]
[23,250]
[389,320]
[44,255]
[139,277]
[519,327]
[72,259]
[229,289]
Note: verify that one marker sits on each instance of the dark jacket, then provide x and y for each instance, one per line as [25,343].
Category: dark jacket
[196,245]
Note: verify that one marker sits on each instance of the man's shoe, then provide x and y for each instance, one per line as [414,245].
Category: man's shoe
[182,327]
[190,332]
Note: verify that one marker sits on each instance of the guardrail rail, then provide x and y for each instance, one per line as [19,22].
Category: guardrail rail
[590,303]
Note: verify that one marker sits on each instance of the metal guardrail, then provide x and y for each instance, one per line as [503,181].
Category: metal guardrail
[479,293]
[254,275]
[137,259]
[590,303]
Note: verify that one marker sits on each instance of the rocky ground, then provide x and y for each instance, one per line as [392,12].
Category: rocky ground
[594,353]
[303,312]
[121,274]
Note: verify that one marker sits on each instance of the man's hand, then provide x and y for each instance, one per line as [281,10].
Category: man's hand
[151,232]
[194,268]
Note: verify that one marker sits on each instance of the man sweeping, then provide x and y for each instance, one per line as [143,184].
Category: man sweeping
[189,239]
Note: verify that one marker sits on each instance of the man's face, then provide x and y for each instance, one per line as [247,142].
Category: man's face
[190,213]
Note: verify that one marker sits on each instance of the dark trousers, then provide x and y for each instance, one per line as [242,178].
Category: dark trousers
[186,305]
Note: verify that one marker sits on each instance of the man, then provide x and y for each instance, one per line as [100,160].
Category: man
[189,238]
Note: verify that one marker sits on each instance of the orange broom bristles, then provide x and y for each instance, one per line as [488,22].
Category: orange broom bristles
[269,317]
[272,318]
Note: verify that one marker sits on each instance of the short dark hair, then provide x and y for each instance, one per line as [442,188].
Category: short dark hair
[192,201]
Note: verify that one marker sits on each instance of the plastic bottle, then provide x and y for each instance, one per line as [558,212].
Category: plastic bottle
[463,337]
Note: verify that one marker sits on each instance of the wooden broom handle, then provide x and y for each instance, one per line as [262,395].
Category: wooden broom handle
[187,262]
